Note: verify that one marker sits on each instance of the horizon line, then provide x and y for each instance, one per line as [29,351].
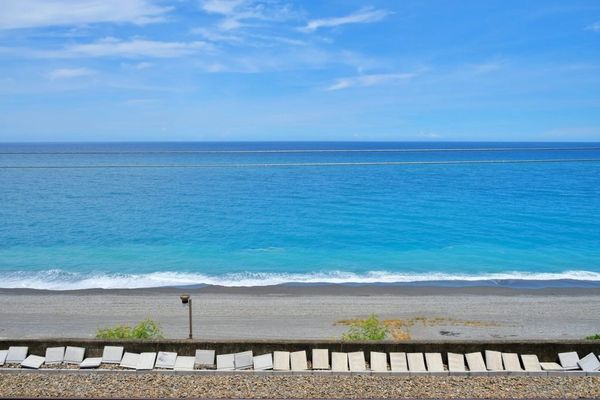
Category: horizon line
[291,141]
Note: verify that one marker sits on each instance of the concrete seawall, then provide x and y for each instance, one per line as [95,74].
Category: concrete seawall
[545,350]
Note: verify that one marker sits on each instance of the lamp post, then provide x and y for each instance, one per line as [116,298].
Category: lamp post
[186,300]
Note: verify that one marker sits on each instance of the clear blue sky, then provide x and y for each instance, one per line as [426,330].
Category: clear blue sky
[95,70]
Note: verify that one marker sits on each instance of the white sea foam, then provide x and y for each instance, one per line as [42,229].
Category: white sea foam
[62,280]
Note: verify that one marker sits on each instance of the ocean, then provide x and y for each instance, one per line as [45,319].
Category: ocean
[129,215]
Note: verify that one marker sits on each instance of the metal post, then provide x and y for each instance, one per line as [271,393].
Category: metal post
[190,304]
[186,300]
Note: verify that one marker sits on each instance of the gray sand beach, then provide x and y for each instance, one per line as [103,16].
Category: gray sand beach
[311,312]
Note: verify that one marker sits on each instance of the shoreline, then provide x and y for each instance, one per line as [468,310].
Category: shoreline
[327,289]
[513,286]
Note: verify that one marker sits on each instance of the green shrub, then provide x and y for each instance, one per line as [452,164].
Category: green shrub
[368,329]
[147,329]
[593,337]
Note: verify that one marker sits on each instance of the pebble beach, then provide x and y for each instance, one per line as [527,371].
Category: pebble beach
[309,312]
[153,385]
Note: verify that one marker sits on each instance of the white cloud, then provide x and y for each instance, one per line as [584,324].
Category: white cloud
[40,13]
[484,68]
[137,102]
[428,135]
[112,47]
[591,133]
[137,65]
[595,27]
[236,13]
[68,73]
[142,65]
[369,80]
[214,35]
[224,7]
[362,16]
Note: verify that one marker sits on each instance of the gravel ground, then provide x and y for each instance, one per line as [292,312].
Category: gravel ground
[480,313]
[239,386]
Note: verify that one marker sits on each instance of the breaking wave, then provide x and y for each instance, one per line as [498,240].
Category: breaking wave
[62,280]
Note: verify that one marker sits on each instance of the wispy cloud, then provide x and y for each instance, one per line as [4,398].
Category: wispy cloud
[369,80]
[247,24]
[142,65]
[595,27]
[40,13]
[591,133]
[138,66]
[362,16]
[112,47]
[246,38]
[138,102]
[68,73]
[486,67]
[215,35]
[280,59]
[224,7]
[428,135]
[237,13]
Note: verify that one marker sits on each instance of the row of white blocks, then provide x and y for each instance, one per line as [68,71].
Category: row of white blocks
[297,361]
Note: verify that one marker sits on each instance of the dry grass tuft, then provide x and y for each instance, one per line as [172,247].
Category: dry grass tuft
[399,329]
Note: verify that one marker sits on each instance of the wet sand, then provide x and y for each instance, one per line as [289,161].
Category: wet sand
[308,312]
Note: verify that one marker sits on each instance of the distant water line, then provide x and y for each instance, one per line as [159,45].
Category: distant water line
[309,164]
[283,151]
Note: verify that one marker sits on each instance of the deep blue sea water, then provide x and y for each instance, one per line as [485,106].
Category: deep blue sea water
[155,214]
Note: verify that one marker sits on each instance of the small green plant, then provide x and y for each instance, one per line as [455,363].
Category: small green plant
[367,329]
[593,337]
[147,329]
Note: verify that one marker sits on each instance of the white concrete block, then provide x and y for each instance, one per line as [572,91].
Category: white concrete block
[205,358]
[356,361]
[398,362]
[130,360]
[263,362]
[456,362]
[33,362]
[16,354]
[531,362]
[165,359]
[74,355]
[281,361]
[493,360]
[378,361]
[551,366]
[298,361]
[339,362]
[511,362]
[55,355]
[320,359]
[434,362]
[184,363]
[243,360]
[475,362]
[3,354]
[416,362]
[146,362]
[226,362]
[569,360]
[112,354]
[589,363]
[91,362]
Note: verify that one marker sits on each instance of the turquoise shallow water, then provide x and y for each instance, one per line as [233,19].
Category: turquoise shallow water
[155,214]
